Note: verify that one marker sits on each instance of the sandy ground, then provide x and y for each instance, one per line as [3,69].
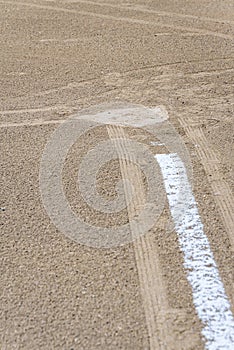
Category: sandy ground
[58,57]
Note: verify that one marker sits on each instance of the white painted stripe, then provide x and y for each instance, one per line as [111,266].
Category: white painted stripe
[210,299]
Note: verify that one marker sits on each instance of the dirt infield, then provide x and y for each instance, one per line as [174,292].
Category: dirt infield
[59,58]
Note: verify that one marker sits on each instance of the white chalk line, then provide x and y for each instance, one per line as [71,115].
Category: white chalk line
[210,299]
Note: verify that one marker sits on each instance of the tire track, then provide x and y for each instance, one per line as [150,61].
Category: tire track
[120,19]
[151,282]
[160,317]
[211,164]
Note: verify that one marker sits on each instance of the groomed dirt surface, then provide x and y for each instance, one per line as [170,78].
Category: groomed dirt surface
[58,57]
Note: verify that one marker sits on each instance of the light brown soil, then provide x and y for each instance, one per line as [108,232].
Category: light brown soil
[58,57]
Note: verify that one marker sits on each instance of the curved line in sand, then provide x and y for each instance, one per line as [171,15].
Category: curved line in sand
[121,19]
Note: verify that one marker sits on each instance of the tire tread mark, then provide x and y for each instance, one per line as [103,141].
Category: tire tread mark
[153,291]
[211,165]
